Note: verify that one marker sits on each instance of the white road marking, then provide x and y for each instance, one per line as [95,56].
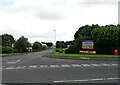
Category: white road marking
[33,66]
[13,62]
[44,66]
[85,65]
[18,67]
[95,64]
[84,58]
[10,68]
[114,64]
[104,64]
[76,65]
[52,66]
[65,65]
[84,80]
[58,66]
[23,66]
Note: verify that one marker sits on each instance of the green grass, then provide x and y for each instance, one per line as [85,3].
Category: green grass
[4,55]
[85,55]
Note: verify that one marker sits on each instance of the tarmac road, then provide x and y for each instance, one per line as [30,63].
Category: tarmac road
[38,67]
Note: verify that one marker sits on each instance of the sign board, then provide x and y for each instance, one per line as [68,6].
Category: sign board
[87,52]
[87,44]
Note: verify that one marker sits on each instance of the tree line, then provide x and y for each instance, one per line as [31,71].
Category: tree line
[106,38]
[8,44]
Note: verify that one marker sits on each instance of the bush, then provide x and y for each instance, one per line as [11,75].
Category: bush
[71,49]
[58,50]
[7,49]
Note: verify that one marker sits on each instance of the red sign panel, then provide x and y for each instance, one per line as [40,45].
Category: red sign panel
[87,52]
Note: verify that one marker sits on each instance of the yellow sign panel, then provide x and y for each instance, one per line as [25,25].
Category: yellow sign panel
[87,47]
[87,44]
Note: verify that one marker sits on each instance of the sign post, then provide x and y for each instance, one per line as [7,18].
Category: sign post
[116,52]
[21,51]
[87,46]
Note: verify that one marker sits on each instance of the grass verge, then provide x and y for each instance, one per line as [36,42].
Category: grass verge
[11,54]
[57,54]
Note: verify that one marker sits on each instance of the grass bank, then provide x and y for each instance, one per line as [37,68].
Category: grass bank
[57,54]
[11,54]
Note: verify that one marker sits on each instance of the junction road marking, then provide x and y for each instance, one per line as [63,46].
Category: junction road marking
[52,66]
[44,66]
[10,68]
[60,66]
[13,62]
[86,80]
[33,66]
[95,64]
[85,65]
[76,65]
[65,65]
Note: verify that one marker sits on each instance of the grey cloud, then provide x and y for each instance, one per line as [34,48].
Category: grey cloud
[97,2]
[49,15]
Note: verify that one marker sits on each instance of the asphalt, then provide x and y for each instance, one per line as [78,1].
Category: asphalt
[39,67]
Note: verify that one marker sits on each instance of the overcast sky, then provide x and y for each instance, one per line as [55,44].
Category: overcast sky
[37,19]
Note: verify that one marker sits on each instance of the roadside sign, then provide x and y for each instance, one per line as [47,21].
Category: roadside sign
[87,44]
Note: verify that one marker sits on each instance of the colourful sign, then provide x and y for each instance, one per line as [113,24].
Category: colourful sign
[87,44]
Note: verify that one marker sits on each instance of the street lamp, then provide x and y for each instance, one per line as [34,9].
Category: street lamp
[54,38]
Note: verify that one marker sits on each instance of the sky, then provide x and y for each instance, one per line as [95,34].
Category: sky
[37,19]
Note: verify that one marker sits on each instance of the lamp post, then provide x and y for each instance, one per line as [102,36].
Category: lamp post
[54,38]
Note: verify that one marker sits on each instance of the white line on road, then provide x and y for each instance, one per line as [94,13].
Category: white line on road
[65,65]
[84,80]
[76,65]
[33,66]
[95,64]
[13,62]
[59,66]
[44,66]
[10,68]
[52,66]
[85,65]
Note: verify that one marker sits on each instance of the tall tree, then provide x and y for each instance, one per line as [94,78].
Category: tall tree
[7,40]
[23,43]
[37,46]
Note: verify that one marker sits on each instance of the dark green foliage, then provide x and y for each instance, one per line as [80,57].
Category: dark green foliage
[44,47]
[7,40]
[58,50]
[23,43]
[49,44]
[106,38]
[71,49]
[60,44]
[7,49]
[0,40]
[37,46]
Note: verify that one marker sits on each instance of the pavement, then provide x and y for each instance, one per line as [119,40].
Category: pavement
[38,67]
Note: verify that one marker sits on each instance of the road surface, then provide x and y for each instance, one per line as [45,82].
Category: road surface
[37,67]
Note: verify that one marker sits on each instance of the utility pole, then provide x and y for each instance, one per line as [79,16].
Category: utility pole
[54,39]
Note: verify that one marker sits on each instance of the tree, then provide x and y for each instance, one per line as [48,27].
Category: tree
[37,46]
[49,44]
[7,40]
[23,43]
[60,44]
[106,38]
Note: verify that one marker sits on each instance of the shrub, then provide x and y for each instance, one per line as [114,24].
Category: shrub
[7,49]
